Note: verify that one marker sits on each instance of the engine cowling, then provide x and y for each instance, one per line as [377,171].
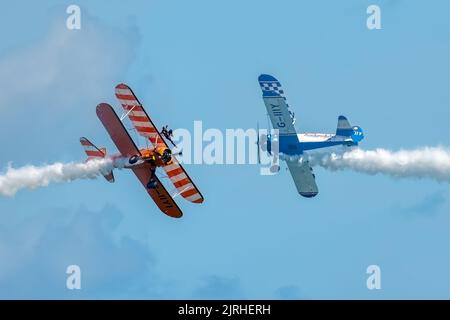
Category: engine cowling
[269,144]
[357,134]
[266,143]
[165,154]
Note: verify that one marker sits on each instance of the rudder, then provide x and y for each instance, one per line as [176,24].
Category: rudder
[344,128]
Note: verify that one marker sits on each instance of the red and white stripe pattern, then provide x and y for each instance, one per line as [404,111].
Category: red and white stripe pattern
[182,182]
[145,127]
[91,150]
[137,115]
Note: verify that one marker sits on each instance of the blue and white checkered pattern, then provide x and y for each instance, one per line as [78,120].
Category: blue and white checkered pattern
[273,88]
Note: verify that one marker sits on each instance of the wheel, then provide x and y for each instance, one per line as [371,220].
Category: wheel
[133,159]
[152,184]
[275,168]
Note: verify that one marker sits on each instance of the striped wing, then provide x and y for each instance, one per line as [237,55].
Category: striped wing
[145,127]
[137,115]
[126,146]
[182,182]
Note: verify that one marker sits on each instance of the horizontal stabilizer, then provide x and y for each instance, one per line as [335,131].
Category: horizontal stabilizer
[95,153]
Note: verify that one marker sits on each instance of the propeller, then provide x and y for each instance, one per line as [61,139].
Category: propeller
[257,142]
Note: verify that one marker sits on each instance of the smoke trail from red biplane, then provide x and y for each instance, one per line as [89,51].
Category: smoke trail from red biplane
[426,162]
[31,177]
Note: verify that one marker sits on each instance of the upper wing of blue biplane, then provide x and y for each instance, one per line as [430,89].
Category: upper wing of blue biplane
[277,107]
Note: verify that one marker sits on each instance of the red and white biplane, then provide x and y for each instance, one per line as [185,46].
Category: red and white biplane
[143,162]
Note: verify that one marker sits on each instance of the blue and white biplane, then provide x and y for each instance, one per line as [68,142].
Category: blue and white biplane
[291,146]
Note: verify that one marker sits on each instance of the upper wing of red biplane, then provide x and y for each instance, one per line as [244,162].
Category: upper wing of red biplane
[145,127]
[126,146]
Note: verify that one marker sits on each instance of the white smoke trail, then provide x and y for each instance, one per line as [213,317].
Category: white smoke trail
[427,162]
[33,177]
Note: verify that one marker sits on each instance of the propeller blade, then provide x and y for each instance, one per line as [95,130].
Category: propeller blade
[257,143]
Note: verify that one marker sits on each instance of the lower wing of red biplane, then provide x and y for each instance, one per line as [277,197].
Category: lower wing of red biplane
[128,149]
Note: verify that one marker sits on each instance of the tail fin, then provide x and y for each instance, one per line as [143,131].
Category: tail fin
[95,153]
[344,128]
[351,134]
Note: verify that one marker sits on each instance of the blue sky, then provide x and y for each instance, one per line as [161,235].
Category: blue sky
[254,237]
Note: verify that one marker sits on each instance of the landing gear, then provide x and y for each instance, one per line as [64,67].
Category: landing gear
[133,159]
[152,183]
[275,168]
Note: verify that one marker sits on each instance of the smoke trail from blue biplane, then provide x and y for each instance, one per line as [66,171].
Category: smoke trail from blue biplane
[31,177]
[426,162]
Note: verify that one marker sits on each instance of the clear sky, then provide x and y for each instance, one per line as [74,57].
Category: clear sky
[254,236]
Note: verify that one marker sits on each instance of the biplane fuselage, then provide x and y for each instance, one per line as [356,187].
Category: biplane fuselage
[148,157]
[154,156]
